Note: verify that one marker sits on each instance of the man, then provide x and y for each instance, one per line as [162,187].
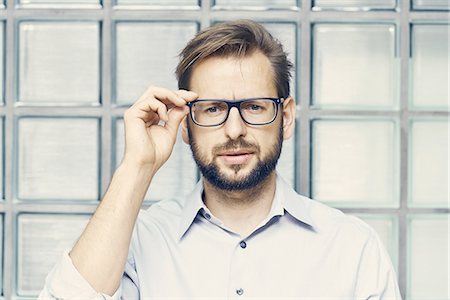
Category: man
[243,232]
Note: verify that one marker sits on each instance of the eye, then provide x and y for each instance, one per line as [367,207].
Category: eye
[254,106]
[212,108]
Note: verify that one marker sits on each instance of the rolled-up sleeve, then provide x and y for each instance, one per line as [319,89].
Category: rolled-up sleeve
[65,282]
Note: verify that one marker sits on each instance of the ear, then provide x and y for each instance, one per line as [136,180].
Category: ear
[184,130]
[288,109]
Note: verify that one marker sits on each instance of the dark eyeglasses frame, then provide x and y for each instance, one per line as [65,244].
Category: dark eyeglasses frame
[237,104]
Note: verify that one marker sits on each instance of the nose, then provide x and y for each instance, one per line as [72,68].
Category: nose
[234,126]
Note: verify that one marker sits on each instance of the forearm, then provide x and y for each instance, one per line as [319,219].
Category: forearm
[101,252]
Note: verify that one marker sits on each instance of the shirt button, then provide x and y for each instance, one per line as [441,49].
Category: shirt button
[239,292]
[208,216]
[243,244]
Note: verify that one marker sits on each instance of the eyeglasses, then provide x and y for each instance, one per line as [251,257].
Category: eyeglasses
[214,112]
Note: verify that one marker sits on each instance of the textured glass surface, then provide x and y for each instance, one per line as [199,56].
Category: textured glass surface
[355,4]
[58,158]
[431,4]
[147,54]
[428,259]
[264,3]
[158,2]
[2,145]
[1,252]
[59,62]
[430,66]
[429,163]
[354,65]
[387,230]
[42,238]
[175,178]
[2,51]
[59,2]
[354,162]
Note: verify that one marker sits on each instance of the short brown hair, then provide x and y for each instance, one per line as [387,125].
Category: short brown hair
[235,38]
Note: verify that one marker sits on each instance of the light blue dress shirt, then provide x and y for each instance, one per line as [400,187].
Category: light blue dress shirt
[302,250]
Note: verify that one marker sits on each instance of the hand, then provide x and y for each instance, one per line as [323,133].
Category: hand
[147,142]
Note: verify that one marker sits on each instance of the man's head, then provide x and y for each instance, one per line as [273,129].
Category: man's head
[233,61]
[238,39]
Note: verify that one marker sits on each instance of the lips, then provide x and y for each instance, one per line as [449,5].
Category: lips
[236,157]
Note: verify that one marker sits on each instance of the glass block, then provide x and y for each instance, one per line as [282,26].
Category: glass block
[42,238]
[354,4]
[286,33]
[239,4]
[143,61]
[176,177]
[354,66]
[58,158]
[430,67]
[2,51]
[60,3]
[164,3]
[1,252]
[387,230]
[2,145]
[428,259]
[59,62]
[431,4]
[429,163]
[354,162]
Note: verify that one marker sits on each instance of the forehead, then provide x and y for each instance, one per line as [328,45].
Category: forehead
[234,77]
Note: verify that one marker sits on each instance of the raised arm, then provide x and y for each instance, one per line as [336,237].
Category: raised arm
[100,253]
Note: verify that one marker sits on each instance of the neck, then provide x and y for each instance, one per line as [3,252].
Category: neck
[241,211]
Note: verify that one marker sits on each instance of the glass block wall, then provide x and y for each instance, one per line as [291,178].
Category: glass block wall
[372,136]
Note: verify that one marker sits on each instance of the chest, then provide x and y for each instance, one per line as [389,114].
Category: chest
[212,264]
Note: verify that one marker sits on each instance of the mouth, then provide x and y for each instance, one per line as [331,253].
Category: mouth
[236,157]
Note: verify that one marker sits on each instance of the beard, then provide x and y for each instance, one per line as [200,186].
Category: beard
[264,166]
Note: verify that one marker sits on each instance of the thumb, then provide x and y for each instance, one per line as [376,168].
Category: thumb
[175,116]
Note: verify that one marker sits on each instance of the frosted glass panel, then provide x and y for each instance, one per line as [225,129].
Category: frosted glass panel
[41,242]
[1,251]
[431,4]
[2,51]
[2,146]
[286,33]
[264,3]
[58,158]
[430,66]
[387,230]
[429,159]
[59,62]
[428,257]
[355,4]
[143,61]
[158,2]
[354,163]
[59,2]
[175,178]
[354,65]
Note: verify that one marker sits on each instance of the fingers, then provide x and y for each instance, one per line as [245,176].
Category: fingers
[159,101]
[176,115]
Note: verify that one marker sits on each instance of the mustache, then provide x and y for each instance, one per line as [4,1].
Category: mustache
[239,143]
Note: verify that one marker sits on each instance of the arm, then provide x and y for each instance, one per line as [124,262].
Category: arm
[100,253]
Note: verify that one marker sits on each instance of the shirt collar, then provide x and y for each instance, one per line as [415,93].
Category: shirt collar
[192,205]
[285,199]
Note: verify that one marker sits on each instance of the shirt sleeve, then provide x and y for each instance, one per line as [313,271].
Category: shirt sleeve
[376,279]
[65,282]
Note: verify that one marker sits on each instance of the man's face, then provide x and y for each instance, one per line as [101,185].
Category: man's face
[235,155]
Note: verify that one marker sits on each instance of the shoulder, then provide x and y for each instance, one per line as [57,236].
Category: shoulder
[168,210]
[332,222]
